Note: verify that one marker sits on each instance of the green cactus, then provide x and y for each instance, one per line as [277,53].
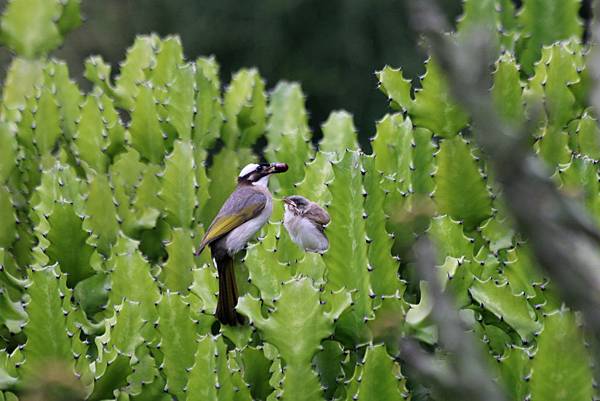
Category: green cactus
[513,309]
[460,187]
[100,218]
[378,378]
[244,107]
[33,34]
[393,134]
[128,266]
[383,267]
[178,193]
[507,90]
[543,23]
[347,259]
[48,338]
[432,107]
[8,232]
[299,321]
[477,15]
[146,133]
[288,134]
[560,329]
[90,138]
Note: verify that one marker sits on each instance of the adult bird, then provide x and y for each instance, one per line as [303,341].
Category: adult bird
[305,220]
[244,213]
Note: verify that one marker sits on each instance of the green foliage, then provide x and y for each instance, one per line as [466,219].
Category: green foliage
[104,228]
[178,341]
[8,155]
[90,138]
[513,309]
[560,329]
[177,272]
[287,133]
[178,190]
[480,15]
[146,134]
[286,328]
[36,33]
[209,116]
[347,232]
[48,339]
[244,107]
[215,374]
[104,196]
[544,23]
[383,267]
[378,378]
[460,188]
[393,134]
[8,231]
[432,107]
[507,91]
[339,134]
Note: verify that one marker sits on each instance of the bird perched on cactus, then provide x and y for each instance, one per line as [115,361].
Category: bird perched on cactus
[246,210]
[305,220]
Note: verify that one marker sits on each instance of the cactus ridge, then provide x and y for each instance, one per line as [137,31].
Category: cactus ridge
[104,196]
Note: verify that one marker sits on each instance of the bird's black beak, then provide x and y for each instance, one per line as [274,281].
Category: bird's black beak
[275,168]
[288,201]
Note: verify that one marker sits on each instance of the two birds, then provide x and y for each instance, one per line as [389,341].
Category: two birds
[242,215]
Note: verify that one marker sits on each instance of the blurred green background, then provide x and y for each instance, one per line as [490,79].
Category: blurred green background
[332,47]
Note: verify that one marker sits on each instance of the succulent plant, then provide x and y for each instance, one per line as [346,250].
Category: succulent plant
[105,194]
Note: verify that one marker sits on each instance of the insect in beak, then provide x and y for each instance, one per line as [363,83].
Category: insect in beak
[275,168]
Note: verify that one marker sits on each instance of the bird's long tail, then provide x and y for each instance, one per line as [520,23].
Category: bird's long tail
[228,294]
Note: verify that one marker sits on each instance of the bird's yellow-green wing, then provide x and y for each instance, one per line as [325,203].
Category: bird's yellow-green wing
[224,224]
[243,205]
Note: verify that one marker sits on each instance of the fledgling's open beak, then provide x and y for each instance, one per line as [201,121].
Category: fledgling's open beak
[290,205]
[275,168]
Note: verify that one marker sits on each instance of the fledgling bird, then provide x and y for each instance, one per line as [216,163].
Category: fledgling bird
[305,220]
[246,210]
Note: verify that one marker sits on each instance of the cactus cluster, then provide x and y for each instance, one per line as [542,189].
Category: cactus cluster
[105,194]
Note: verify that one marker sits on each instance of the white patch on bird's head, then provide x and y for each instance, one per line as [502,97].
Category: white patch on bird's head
[256,174]
[248,169]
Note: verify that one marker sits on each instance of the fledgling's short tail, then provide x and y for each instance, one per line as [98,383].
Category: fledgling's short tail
[228,294]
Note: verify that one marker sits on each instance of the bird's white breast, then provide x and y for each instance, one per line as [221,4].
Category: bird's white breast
[304,233]
[236,240]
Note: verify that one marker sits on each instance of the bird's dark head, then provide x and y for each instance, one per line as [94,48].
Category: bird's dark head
[296,203]
[258,174]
